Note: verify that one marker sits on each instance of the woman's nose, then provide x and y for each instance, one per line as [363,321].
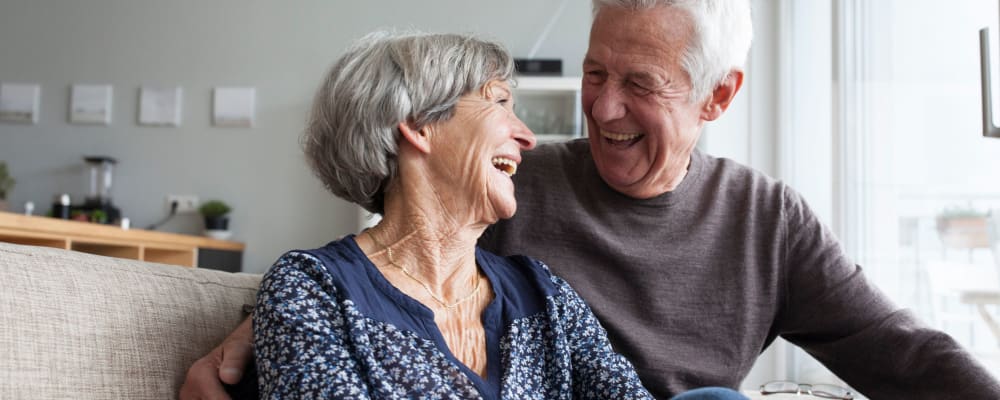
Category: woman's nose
[524,136]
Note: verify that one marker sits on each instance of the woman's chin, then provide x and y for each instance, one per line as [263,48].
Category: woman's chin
[506,211]
[499,210]
[505,216]
[501,199]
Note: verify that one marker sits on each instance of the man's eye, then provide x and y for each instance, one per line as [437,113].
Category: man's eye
[594,76]
[638,88]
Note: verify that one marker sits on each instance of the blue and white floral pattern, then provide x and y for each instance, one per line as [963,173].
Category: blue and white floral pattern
[312,341]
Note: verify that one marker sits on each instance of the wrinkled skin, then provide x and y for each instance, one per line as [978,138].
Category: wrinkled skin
[467,184]
[642,123]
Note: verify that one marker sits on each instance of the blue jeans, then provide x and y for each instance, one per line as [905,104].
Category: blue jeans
[710,393]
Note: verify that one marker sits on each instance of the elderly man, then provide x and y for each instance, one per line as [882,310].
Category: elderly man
[694,264]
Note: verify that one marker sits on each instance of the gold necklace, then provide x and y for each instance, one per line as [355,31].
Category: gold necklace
[427,288]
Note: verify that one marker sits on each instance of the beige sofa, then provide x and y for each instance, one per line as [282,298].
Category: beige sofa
[80,326]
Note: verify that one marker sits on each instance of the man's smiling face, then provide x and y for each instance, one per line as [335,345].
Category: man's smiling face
[636,96]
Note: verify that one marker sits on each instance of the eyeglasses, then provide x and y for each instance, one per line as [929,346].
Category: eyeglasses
[823,391]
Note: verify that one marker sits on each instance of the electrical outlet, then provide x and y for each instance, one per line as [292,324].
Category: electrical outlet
[186,204]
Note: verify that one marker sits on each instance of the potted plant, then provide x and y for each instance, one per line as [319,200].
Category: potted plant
[6,184]
[216,215]
[77,215]
[964,228]
[98,217]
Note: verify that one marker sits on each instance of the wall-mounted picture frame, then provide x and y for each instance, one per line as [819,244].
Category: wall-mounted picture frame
[234,107]
[19,103]
[160,106]
[90,104]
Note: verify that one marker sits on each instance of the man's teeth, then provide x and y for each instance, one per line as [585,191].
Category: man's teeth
[505,165]
[619,136]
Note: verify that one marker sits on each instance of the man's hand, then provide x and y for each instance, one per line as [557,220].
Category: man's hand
[224,364]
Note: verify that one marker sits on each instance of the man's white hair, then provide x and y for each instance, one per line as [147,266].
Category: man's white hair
[720,42]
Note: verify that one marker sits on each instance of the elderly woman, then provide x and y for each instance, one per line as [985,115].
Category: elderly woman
[421,129]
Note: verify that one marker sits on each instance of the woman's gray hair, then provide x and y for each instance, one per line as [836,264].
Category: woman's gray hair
[383,79]
[723,30]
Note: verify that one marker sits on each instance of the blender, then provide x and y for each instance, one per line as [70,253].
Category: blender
[100,171]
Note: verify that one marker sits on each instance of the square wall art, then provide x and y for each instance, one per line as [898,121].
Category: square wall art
[234,107]
[19,103]
[90,104]
[160,106]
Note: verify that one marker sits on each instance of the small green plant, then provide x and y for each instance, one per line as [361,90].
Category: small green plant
[6,181]
[98,216]
[214,208]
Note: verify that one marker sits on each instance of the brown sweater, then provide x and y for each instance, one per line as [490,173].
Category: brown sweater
[692,285]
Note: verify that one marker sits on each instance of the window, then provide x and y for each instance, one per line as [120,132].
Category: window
[911,179]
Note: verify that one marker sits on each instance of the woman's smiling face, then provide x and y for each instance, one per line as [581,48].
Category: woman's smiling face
[476,151]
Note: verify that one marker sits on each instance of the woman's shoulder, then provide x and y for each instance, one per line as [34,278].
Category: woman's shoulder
[331,262]
[293,262]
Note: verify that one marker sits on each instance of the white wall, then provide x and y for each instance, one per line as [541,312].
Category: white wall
[281,48]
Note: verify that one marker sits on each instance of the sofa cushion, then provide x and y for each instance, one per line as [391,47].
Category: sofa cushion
[75,325]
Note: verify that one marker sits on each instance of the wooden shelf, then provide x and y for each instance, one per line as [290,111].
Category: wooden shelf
[106,240]
[179,256]
[110,250]
[33,239]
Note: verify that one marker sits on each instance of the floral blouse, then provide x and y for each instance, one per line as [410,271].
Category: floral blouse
[329,325]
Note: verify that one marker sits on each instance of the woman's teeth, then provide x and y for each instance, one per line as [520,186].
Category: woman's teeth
[619,136]
[505,165]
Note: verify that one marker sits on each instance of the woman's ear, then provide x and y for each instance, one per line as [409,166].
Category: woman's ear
[418,138]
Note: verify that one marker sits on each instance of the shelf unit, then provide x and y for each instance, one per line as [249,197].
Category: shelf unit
[107,240]
[551,107]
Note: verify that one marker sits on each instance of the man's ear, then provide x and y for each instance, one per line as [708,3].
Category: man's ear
[418,138]
[723,95]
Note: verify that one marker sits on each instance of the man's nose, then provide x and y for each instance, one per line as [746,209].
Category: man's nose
[609,104]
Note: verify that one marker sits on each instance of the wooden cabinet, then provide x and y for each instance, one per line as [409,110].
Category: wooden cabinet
[112,241]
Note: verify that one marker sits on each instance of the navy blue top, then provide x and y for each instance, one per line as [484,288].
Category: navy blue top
[328,324]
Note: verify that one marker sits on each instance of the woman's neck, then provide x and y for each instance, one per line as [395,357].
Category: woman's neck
[434,245]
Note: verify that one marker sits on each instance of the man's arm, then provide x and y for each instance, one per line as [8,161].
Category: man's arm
[838,316]
[224,364]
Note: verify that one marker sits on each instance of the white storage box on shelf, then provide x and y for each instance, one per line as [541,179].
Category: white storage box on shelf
[551,107]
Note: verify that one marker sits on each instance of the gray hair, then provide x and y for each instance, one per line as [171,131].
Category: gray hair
[384,79]
[721,39]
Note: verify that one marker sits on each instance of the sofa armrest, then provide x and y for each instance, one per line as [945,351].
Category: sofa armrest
[75,325]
